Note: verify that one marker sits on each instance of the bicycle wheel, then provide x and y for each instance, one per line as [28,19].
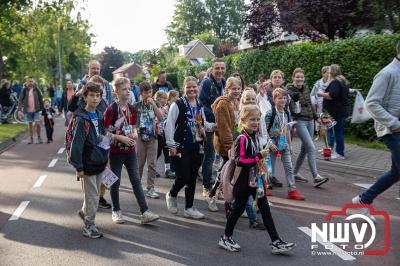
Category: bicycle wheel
[17,118]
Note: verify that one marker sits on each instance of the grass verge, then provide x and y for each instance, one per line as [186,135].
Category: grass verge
[10,130]
[376,144]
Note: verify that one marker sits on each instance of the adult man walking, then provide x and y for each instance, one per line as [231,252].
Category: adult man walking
[383,104]
[108,98]
[210,89]
[30,104]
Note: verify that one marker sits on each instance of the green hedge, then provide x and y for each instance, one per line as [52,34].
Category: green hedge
[360,59]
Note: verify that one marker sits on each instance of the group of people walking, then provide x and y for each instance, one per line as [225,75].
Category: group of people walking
[253,125]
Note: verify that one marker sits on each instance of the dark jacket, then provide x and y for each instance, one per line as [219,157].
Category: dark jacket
[302,95]
[247,155]
[176,127]
[5,94]
[86,156]
[339,105]
[23,99]
[210,90]
[63,106]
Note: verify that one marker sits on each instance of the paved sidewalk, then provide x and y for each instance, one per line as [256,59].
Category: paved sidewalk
[359,161]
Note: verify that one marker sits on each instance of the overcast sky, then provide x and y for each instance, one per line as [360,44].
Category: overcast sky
[129,25]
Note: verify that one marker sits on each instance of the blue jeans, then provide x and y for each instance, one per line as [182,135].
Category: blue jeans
[305,131]
[208,161]
[117,160]
[337,133]
[251,213]
[392,141]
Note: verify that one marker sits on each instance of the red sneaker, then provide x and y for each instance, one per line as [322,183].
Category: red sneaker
[268,192]
[295,195]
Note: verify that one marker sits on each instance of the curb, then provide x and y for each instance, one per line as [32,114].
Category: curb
[10,142]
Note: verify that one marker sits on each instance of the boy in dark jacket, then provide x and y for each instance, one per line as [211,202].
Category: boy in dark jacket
[87,157]
[48,114]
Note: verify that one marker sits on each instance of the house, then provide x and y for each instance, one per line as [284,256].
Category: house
[196,52]
[284,37]
[130,71]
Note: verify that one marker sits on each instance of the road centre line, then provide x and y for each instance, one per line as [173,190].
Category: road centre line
[40,181]
[52,163]
[18,212]
[61,150]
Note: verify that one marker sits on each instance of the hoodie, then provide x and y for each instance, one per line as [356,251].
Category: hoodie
[224,112]
[86,155]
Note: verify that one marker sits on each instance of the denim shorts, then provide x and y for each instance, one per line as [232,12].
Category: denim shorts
[31,117]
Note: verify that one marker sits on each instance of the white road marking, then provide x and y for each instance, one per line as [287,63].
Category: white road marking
[18,212]
[364,185]
[40,181]
[335,249]
[52,163]
[61,150]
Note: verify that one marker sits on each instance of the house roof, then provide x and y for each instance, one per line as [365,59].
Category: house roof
[194,43]
[124,67]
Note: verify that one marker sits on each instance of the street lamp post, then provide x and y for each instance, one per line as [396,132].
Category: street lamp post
[59,57]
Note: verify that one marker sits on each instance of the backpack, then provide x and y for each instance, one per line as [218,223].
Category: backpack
[114,106]
[229,175]
[70,133]
[271,122]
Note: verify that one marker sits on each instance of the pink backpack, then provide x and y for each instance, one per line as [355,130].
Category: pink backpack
[229,175]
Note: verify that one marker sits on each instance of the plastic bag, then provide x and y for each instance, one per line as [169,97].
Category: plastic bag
[360,114]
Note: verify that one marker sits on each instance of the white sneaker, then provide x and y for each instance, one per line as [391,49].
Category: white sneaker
[212,204]
[172,204]
[148,217]
[363,211]
[336,156]
[193,213]
[117,218]
[151,193]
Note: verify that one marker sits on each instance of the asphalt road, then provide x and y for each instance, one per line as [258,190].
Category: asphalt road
[48,231]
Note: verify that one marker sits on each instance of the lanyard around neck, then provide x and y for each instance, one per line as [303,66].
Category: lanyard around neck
[282,123]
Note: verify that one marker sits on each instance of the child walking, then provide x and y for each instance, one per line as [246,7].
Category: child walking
[247,155]
[147,111]
[87,157]
[120,119]
[162,98]
[184,133]
[48,114]
[276,123]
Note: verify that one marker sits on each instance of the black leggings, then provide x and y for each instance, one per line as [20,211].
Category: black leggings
[186,170]
[240,206]
[162,148]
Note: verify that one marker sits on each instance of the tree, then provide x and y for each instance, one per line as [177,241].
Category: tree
[9,25]
[110,59]
[189,19]
[226,19]
[137,57]
[266,19]
[223,18]
[35,32]
[208,37]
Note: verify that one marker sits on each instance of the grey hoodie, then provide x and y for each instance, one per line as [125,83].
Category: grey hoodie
[384,97]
